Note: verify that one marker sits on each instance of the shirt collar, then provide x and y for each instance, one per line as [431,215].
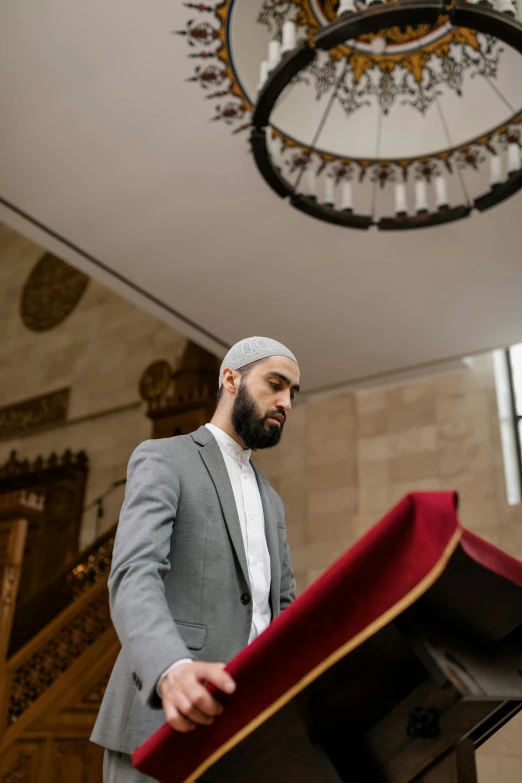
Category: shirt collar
[229,445]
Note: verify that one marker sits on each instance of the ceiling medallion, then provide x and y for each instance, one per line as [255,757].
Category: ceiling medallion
[51,293]
[415,60]
[395,114]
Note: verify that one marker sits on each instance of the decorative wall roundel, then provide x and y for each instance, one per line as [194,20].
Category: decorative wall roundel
[155,380]
[50,294]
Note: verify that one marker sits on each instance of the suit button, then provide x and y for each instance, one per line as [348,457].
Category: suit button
[245,599]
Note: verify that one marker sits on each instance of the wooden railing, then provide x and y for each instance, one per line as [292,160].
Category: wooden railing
[32,671]
[90,566]
[57,653]
[16,508]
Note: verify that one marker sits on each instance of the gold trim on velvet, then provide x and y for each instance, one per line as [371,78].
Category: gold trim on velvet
[346,648]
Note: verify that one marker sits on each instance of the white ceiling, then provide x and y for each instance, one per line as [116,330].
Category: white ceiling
[104,143]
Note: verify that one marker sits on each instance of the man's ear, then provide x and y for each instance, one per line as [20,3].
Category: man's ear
[231,379]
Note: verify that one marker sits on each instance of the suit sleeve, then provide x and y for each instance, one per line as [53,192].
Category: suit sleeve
[139,610]
[287,592]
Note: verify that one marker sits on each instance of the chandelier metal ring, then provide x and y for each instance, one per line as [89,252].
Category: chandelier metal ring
[350,26]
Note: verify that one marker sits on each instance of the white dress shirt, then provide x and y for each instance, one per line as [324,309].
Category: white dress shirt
[252,521]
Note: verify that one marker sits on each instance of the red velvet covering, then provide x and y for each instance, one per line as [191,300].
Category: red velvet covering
[381,575]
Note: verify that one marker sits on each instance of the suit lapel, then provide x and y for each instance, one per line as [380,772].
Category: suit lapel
[215,464]
[272,539]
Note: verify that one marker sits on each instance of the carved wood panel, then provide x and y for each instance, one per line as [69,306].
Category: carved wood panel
[22,762]
[88,568]
[187,400]
[54,747]
[52,760]
[52,538]
[41,670]
[76,760]
[56,683]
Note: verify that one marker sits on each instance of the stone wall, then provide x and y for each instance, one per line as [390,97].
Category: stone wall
[345,459]
[100,352]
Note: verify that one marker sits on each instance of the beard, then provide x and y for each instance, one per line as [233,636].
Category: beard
[255,431]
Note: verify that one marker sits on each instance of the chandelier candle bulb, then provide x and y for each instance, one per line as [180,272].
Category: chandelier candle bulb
[264,71]
[401,208]
[346,196]
[495,170]
[274,54]
[378,45]
[329,192]
[513,158]
[289,37]
[421,197]
[309,187]
[346,7]
[505,7]
[441,192]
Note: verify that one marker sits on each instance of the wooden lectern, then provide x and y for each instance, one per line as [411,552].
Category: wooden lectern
[401,660]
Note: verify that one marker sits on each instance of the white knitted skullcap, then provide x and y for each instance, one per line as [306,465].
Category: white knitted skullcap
[252,349]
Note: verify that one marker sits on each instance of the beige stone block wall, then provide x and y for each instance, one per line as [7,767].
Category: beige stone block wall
[346,459]
[315,471]
[100,352]
[500,758]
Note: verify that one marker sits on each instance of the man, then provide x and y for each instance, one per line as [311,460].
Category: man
[201,564]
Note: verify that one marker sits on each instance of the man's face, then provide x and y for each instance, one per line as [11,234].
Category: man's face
[262,401]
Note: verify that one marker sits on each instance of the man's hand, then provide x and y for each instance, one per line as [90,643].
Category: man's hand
[186,701]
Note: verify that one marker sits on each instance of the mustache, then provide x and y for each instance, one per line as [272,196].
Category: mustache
[271,414]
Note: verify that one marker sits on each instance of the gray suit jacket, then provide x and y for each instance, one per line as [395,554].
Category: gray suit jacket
[179,583]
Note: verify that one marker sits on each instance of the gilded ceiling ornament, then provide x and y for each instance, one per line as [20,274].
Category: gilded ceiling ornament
[51,292]
[419,61]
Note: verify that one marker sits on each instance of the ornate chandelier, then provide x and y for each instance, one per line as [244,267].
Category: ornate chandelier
[393,114]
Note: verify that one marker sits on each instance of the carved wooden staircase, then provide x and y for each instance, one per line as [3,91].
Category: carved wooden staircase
[56,654]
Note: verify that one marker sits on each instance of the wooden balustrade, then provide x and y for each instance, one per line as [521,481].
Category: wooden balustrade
[16,509]
[57,651]
[89,567]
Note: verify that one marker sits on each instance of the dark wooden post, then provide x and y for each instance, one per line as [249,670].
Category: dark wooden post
[16,508]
